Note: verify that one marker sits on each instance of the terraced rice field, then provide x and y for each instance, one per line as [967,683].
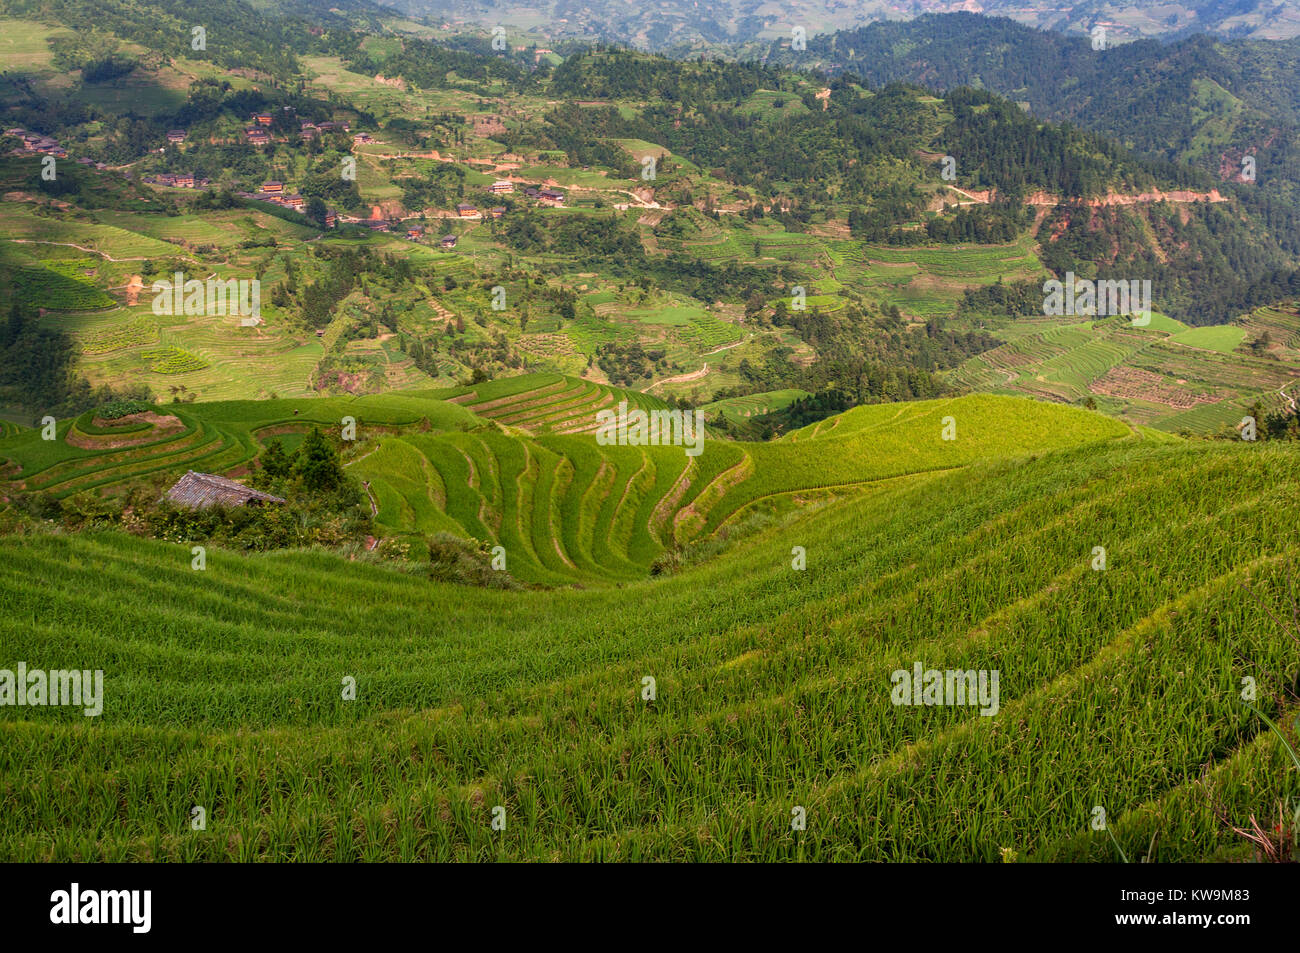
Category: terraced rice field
[1281,325]
[772,686]
[19,222]
[569,510]
[514,463]
[545,403]
[44,287]
[928,281]
[214,438]
[228,361]
[1156,375]
[755,405]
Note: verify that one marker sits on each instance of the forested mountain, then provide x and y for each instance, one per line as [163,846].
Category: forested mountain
[1228,107]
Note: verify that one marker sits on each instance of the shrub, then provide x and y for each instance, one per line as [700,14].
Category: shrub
[116,409]
[455,560]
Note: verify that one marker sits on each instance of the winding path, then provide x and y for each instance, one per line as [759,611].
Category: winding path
[680,378]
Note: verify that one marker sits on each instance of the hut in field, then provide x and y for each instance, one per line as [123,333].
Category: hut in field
[201,490]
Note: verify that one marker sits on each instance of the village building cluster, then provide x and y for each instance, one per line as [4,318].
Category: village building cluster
[259,132]
[38,143]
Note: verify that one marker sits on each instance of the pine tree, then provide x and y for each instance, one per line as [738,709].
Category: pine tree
[319,464]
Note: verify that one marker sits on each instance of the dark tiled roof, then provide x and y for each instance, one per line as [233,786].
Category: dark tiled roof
[201,490]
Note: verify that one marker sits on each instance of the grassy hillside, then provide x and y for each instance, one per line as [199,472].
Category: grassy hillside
[514,463]
[772,685]
[217,438]
[566,509]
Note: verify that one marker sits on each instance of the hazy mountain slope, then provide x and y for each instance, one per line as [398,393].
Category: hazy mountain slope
[712,23]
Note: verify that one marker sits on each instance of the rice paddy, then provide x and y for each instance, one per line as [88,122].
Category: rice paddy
[771,685]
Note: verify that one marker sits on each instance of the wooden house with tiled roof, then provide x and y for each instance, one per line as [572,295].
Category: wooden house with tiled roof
[201,490]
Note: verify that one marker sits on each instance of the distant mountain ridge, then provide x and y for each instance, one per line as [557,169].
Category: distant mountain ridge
[703,23]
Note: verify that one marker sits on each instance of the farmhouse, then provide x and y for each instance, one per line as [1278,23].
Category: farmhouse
[176,135]
[362,137]
[501,187]
[201,490]
[550,197]
[448,241]
[272,188]
[262,119]
[257,137]
[466,211]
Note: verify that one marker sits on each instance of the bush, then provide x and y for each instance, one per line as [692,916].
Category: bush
[116,409]
[455,560]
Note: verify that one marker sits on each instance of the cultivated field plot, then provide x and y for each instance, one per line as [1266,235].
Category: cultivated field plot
[926,281]
[505,700]
[229,361]
[1164,375]
[20,224]
[755,405]
[568,510]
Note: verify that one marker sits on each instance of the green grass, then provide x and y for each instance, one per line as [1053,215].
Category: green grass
[1162,322]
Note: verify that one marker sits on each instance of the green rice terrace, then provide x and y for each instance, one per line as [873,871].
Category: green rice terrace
[618,714]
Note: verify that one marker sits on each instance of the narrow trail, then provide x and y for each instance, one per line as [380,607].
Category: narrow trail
[728,347]
[363,456]
[680,378]
[1286,397]
[89,251]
